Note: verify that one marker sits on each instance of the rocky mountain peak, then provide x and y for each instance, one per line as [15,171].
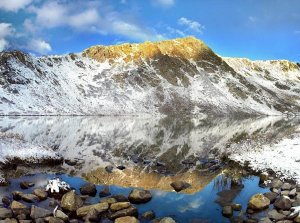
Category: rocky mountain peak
[184,48]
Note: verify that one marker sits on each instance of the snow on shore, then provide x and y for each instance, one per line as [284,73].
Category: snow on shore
[282,157]
[13,147]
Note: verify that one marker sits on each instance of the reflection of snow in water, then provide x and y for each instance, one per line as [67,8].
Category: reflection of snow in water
[97,141]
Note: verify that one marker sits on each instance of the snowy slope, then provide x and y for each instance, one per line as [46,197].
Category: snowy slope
[181,76]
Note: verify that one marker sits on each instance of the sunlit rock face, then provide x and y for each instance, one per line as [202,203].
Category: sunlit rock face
[172,77]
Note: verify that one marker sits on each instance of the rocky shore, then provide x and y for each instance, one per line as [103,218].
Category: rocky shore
[58,203]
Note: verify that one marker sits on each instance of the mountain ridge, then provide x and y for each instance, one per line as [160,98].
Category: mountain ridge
[172,77]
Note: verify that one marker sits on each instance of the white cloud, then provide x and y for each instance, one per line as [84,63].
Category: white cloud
[165,3]
[175,32]
[252,19]
[39,46]
[14,5]
[191,25]
[6,30]
[88,16]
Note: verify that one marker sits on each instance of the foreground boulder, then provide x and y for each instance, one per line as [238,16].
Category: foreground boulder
[88,189]
[100,207]
[71,202]
[137,196]
[30,198]
[127,219]
[258,202]
[37,212]
[180,185]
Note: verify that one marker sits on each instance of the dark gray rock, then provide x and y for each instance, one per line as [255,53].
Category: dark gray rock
[227,211]
[286,186]
[283,203]
[275,215]
[276,183]
[271,196]
[88,189]
[148,215]
[104,192]
[37,212]
[180,185]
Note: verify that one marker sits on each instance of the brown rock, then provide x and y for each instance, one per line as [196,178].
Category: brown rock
[258,202]
[71,202]
[100,207]
[126,219]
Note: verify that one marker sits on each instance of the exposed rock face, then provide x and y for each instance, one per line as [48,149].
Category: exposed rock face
[180,76]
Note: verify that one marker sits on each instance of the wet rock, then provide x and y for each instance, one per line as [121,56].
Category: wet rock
[276,183]
[6,200]
[37,212]
[227,211]
[275,215]
[109,200]
[4,182]
[88,189]
[148,215]
[285,221]
[167,220]
[283,203]
[180,185]
[54,220]
[5,213]
[40,193]
[19,208]
[258,202]
[93,215]
[263,177]
[73,221]
[121,167]
[100,207]
[17,195]
[71,202]
[30,198]
[236,207]
[120,197]
[286,186]
[119,206]
[104,192]
[271,196]
[131,211]
[25,185]
[137,196]
[109,168]
[127,219]
[265,220]
[61,215]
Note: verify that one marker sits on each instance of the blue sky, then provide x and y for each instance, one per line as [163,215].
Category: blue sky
[256,29]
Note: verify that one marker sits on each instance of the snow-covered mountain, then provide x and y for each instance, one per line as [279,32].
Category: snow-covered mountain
[180,76]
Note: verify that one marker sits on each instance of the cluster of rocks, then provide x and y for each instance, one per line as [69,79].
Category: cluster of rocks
[68,206]
[281,204]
